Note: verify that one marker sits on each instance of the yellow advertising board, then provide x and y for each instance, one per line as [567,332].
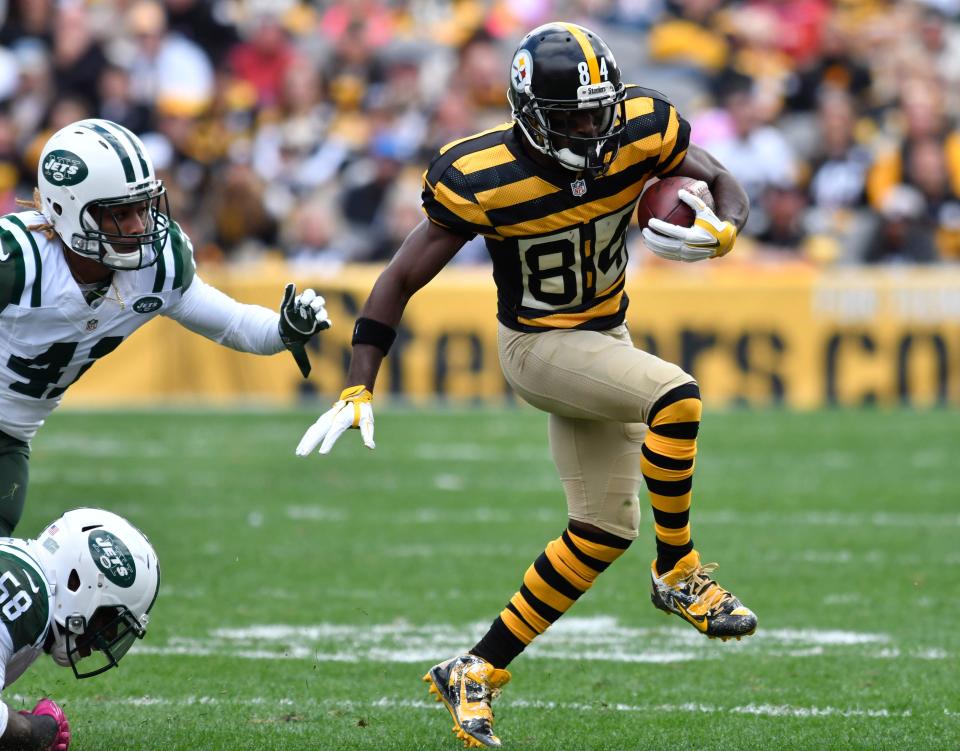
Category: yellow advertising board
[752,336]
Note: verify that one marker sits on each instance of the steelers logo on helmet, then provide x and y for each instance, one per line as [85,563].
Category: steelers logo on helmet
[575,111]
[521,72]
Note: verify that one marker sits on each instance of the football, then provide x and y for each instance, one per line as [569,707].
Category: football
[660,200]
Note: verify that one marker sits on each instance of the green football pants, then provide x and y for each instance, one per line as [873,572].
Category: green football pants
[14,476]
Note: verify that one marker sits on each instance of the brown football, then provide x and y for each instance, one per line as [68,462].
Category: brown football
[660,200]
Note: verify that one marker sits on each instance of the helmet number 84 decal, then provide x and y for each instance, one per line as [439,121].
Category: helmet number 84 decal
[584,70]
[13,606]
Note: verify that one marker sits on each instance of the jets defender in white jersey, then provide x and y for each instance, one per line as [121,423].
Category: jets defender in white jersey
[81,592]
[97,257]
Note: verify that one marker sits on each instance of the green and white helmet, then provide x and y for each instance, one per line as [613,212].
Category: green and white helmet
[87,171]
[105,579]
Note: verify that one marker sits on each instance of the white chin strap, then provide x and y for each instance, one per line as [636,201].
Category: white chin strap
[59,651]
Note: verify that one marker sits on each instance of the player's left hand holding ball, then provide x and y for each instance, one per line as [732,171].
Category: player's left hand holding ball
[709,237]
[354,409]
[301,317]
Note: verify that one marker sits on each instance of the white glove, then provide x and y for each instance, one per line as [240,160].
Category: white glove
[709,237]
[354,409]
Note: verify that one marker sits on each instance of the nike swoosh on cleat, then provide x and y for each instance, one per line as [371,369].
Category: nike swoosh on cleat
[700,623]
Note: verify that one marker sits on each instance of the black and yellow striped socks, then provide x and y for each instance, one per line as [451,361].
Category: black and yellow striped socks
[667,462]
[564,571]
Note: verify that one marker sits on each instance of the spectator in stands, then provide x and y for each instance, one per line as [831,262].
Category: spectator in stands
[116,102]
[164,64]
[294,150]
[839,165]
[784,205]
[903,233]
[756,153]
[924,117]
[78,59]
[837,67]
[266,53]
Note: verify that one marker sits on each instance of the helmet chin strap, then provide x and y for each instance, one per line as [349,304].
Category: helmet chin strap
[59,650]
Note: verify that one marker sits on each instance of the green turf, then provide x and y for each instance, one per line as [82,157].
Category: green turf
[823,522]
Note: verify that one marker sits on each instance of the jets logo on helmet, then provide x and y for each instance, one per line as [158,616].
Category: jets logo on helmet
[573,108]
[64,168]
[112,558]
[93,172]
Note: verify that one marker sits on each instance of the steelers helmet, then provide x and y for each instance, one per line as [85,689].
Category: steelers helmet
[105,578]
[560,70]
[88,171]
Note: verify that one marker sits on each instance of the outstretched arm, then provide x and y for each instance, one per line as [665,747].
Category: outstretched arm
[425,251]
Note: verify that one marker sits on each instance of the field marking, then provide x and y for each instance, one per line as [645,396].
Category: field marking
[474,514]
[597,639]
[758,710]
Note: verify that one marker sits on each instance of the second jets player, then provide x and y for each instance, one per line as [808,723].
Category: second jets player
[95,258]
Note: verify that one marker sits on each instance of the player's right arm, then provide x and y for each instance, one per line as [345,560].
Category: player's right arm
[423,254]
[425,251]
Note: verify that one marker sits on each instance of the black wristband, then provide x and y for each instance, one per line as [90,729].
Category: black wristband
[368,331]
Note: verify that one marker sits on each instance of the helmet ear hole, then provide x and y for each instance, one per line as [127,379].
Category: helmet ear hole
[73,581]
[58,208]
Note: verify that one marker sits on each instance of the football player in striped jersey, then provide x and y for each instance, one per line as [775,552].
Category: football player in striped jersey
[552,193]
[95,257]
[82,593]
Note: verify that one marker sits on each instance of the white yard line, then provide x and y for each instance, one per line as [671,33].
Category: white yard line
[759,710]
[468,514]
[597,639]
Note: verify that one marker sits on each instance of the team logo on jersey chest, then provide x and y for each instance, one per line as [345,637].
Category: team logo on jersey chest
[579,188]
[148,304]
[64,168]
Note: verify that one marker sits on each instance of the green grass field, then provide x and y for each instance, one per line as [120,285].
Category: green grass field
[302,599]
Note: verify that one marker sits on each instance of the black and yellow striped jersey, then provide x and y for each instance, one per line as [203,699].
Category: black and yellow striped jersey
[557,238]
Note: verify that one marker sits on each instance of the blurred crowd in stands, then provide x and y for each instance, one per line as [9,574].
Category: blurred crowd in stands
[298,129]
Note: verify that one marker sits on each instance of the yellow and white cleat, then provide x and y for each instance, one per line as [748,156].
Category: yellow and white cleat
[467,684]
[688,590]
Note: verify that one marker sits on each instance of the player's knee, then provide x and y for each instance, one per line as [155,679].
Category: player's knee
[679,405]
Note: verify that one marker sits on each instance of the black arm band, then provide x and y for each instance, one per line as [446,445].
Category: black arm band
[368,331]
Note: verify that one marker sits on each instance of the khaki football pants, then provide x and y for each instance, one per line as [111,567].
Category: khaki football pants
[598,389]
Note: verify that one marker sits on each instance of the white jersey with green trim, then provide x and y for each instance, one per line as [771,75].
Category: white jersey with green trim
[26,612]
[50,335]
